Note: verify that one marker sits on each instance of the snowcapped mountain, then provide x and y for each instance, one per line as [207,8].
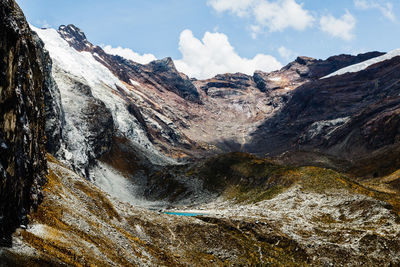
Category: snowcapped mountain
[161,115]
[126,140]
[160,112]
[85,83]
[365,64]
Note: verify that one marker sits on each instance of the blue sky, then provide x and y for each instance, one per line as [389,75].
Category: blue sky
[281,29]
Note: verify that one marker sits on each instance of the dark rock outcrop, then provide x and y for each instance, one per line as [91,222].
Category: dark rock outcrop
[22,135]
[353,119]
[305,69]
[100,128]
[227,84]
[164,72]
[321,68]
[55,119]
[75,37]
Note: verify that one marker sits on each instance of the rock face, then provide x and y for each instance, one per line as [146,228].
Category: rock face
[351,118]
[89,129]
[165,114]
[160,73]
[305,69]
[75,37]
[22,135]
[55,117]
[107,79]
[165,73]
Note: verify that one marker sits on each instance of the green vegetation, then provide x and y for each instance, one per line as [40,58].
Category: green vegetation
[245,178]
[176,241]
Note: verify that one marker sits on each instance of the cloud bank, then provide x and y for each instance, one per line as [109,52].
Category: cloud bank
[274,15]
[129,54]
[213,54]
[205,58]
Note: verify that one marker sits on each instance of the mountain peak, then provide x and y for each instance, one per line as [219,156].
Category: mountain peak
[165,64]
[305,60]
[75,37]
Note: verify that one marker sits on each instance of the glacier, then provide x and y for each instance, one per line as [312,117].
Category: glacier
[365,64]
[70,67]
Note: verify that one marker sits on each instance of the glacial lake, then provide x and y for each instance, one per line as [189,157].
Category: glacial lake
[183,213]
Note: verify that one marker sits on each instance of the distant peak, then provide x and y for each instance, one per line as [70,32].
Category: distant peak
[72,30]
[305,60]
[165,64]
[75,37]
[168,61]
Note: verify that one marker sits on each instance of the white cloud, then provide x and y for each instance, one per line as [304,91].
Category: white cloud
[237,7]
[254,31]
[385,8]
[286,53]
[275,15]
[129,54]
[215,55]
[282,14]
[339,27]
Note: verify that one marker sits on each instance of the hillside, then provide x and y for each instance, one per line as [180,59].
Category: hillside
[108,162]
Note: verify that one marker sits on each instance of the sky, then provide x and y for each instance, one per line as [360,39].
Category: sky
[207,37]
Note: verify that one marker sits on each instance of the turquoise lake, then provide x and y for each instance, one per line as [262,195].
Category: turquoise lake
[183,213]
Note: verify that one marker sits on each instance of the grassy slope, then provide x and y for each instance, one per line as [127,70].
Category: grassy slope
[79,225]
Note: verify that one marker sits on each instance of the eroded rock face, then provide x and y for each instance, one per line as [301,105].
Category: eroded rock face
[352,117]
[75,37]
[185,118]
[135,94]
[22,135]
[55,117]
[160,73]
[89,127]
[306,69]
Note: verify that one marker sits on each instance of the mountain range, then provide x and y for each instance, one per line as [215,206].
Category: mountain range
[299,166]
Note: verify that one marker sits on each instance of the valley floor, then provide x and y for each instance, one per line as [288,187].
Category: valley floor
[317,222]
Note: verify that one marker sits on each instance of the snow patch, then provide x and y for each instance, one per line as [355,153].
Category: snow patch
[114,183]
[275,79]
[134,83]
[318,127]
[365,64]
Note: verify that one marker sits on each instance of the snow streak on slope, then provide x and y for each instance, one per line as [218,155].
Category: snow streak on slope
[83,67]
[112,182]
[363,65]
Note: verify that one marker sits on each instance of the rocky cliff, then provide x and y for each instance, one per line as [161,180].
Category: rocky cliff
[348,121]
[55,117]
[22,135]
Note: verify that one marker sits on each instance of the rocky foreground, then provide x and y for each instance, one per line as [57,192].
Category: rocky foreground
[309,216]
